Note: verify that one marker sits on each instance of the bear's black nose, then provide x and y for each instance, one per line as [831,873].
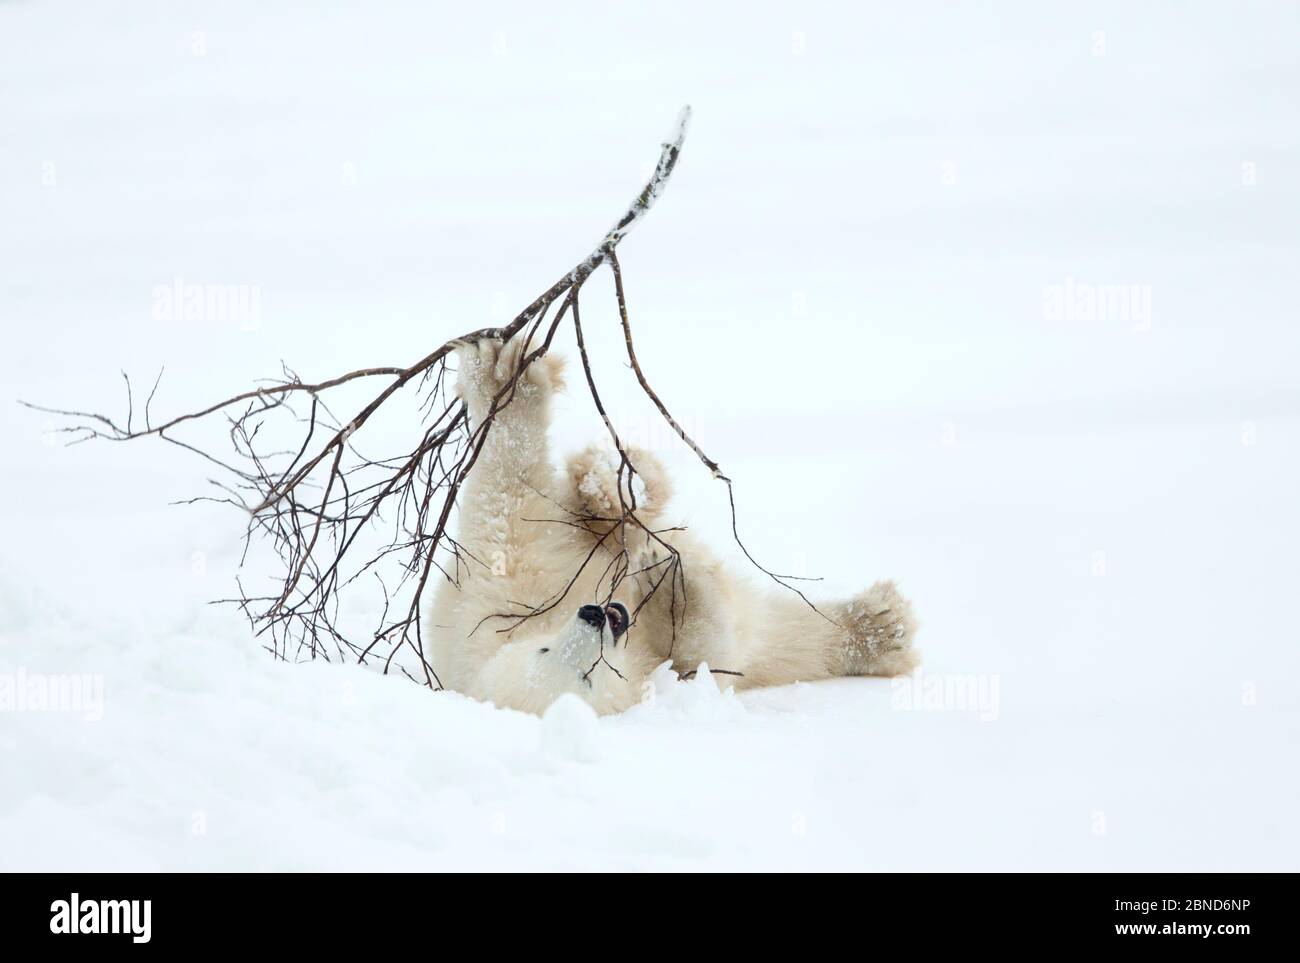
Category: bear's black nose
[592,615]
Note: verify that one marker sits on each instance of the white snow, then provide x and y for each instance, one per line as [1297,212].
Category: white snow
[851,293]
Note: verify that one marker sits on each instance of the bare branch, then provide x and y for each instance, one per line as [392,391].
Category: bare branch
[332,514]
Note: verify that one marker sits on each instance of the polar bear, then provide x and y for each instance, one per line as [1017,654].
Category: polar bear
[531,614]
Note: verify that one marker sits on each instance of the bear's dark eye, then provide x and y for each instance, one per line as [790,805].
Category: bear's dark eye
[616,615]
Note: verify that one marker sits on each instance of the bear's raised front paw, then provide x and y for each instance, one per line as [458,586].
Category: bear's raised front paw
[488,365]
[595,480]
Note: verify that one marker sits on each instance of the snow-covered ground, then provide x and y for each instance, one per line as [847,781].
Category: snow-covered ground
[865,291]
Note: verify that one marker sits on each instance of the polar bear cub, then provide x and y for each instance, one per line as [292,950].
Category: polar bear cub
[554,595]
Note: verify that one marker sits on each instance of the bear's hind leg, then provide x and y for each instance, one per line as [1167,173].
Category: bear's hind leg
[879,627]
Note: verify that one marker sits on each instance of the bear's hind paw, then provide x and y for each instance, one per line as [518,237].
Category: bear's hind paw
[881,627]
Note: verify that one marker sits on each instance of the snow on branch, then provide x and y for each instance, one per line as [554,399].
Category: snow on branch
[334,516]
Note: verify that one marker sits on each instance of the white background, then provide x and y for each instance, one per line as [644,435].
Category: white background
[842,293]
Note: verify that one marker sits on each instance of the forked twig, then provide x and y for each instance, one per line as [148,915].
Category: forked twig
[316,497]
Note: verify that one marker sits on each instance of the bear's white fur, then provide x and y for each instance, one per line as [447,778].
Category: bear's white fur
[526,529]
